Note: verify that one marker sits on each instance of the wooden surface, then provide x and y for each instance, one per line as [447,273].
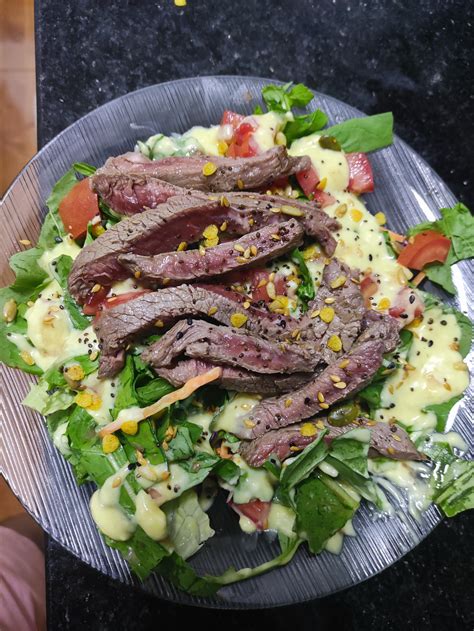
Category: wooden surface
[17,88]
[17,125]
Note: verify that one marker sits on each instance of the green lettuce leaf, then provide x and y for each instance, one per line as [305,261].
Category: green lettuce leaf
[188,525]
[142,553]
[283,98]
[365,134]
[46,401]
[304,125]
[63,268]
[323,507]
[305,289]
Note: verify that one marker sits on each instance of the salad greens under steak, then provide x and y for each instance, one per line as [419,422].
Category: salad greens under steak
[158,449]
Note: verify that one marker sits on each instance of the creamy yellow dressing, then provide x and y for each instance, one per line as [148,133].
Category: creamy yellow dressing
[235,409]
[334,544]
[150,517]
[110,517]
[207,138]
[330,165]
[269,125]
[282,519]
[105,389]
[253,483]
[173,486]
[67,247]
[60,439]
[435,374]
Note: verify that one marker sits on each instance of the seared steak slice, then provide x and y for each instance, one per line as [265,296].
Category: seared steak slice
[131,194]
[120,325]
[252,249]
[316,222]
[338,309]
[340,380]
[161,229]
[229,174]
[226,345]
[237,379]
[386,440]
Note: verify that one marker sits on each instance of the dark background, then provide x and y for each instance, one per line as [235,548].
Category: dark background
[412,57]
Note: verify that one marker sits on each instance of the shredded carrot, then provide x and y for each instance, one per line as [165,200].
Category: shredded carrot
[400,238]
[418,278]
[178,395]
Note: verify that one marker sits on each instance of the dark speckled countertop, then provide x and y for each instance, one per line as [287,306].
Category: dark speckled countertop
[414,58]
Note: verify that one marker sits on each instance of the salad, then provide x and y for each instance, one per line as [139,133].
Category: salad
[218,313]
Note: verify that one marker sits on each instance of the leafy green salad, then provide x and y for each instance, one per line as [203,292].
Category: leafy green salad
[157,451]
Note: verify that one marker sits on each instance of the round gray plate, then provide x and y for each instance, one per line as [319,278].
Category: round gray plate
[407,190]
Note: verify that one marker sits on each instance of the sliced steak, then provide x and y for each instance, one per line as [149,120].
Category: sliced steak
[229,173]
[316,222]
[254,248]
[340,380]
[337,310]
[387,440]
[225,345]
[119,326]
[161,229]
[236,379]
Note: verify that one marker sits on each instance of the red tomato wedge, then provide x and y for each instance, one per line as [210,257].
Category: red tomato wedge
[308,180]
[77,208]
[232,118]
[256,510]
[427,247]
[361,178]
[323,199]
[368,287]
[97,301]
[243,144]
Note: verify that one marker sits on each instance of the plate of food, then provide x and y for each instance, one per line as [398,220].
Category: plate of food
[235,342]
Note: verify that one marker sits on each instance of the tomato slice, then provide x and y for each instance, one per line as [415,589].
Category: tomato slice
[361,177]
[323,199]
[427,247]
[308,180]
[97,302]
[232,118]
[243,145]
[256,510]
[77,208]
[368,288]
[406,306]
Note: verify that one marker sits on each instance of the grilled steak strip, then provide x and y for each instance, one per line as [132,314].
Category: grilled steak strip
[230,173]
[225,345]
[120,325]
[237,379]
[333,384]
[254,248]
[387,440]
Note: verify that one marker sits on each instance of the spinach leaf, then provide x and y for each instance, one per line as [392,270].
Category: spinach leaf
[125,396]
[305,289]
[304,125]
[323,507]
[62,270]
[142,553]
[301,467]
[365,134]
[53,228]
[228,471]
[181,446]
[54,376]
[442,411]
[283,98]
[152,391]
[182,575]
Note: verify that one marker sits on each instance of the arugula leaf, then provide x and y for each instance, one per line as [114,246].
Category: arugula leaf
[304,125]
[125,396]
[365,134]
[323,507]
[142,553]
[302,467]
[62,269]
[456,223]
[305,289]
[442,411]
[152,391]
[284,98]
